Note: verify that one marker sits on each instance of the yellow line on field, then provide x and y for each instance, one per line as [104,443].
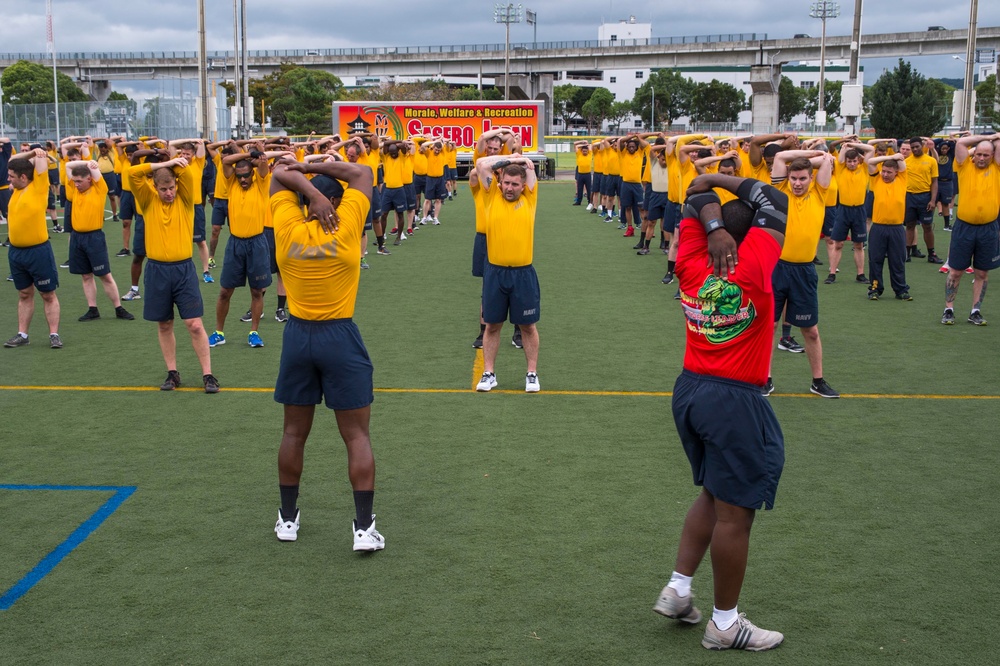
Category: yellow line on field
[478,367]
[477,372]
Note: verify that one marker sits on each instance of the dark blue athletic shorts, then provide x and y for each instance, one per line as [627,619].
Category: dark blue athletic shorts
[394,198]
[598,184]
[434,188]
[851,219]
[324,359]
[611,185]
[126,209]
[418,183]
[869,204]
[657,206]
[247,260]
[795,285]
[168,284]
[479,255]
[220,212]
[33,265]
[53,176]
[376,207]
[631,194]
[946,192]
[111,180]
[512,290]
[672,217]
[139,236]
[976,245]
[272,249]
[411,196]
[739,458]
[916,209]
[647,193]
[199,223]
[830,216]
[88,253]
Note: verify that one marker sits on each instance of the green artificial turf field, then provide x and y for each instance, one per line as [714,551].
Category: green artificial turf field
[520,529]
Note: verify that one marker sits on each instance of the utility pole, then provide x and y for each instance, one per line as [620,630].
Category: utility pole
[51,44]
[237,94]
[969,113]
[823,10]
[202,70]
[507,14]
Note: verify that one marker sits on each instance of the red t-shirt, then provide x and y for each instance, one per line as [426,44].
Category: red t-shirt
[730,322]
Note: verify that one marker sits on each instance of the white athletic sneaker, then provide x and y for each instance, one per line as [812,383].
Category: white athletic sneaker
[434,220]
[531,383]
[590,207]
[488,381]
[287,530]
[367,540]
[424,220]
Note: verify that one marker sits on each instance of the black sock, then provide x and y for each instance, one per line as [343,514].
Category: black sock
[947,220]
[645,243]
[786,330]
[930,251]
[517,329]
[670,266]
[289,497]
[281,301]
[92,309]
[817,380]
[482,329]
[381,241]
[363,501]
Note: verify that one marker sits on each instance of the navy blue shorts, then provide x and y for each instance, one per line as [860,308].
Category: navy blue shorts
[394,198]
[511,290]
[376,206]
[611,185]
[945,193]
[434,188]
[5,200]
[50,203]
[111,180]
[272,249]
[411,196]
[852,219]
[738,459]
[53,176]
[168,284]
[869,204]
[220,212]
[631,194]
[916,209]
[598,184]
[449,173]
[247,261]
[88,253]
[672,217]
[139,236]
[479,255]
[35,265]
[976,245]
[324,359]
[830,216]
[67,215]
[199,223]
[795,285]
[126,209]
[418,183]
[647,193]
[657,206]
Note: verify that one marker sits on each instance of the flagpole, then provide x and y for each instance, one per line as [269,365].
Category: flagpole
[50,42]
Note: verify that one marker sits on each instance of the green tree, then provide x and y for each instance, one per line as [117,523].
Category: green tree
[666,93]
[31,83]
[301,98]
[716,102]
[904,104]
[618,112]
[988,101]
[598,108]
[831,99]
[791,100]
[562,103]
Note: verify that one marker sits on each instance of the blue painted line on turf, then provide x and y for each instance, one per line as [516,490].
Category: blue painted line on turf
[49,562]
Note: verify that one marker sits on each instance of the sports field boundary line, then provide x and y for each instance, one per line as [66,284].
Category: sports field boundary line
[616,394]
[76,537]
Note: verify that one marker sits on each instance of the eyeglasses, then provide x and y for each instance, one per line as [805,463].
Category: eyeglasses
[244,176]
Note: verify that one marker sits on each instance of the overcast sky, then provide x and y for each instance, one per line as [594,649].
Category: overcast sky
[145,25]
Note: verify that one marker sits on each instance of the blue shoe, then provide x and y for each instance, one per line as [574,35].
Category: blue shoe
[254,339]
[208,277]
[216,339]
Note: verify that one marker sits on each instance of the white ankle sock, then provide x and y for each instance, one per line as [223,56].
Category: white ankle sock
[724,618]
[680,583]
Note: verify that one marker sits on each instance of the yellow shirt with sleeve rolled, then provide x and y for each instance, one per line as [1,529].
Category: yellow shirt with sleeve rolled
[198,163]
[630,165]
[980,192]
[169,227]
[852,185]
[832,193]
[26,213]
[88,207]
[647,163]
[247,207]
[510,227]
[889,206]
[921,170]
[320,271]
[805,222]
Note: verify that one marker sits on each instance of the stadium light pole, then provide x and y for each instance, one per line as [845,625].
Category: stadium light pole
[531,18]
[50,42]
[969,113]
[823,10]
[507,14]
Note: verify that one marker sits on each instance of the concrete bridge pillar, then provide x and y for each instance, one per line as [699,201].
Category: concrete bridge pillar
[533,87]
[764,80]
[98,90]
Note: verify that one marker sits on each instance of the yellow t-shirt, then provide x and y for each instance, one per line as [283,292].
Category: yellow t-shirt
[759,172]
[612,162]
[889,206]
[407,169]
[247,207]
[647,162]
[198,163]
[598,161]
[853,185]
[221,184]
[980,192]
[479,198]
[435,163]
[630,165]
[452,154]
[392,170]
[26,213]
[510,227]
[88,207]
[805,222]
[420,162]
[106,163]
[832,193]
[321,271]
[921,170]
[169,227]
[584,163]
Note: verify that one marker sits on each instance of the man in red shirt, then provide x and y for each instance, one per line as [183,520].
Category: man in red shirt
[736,460]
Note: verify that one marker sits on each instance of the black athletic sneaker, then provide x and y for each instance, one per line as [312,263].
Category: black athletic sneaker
[516,339]
[211,383]
[823,390]
[830,279]
[872,295]
[677,296]
[932,258]
[124,252]
[172,381]
[904,296]
[248,317]
[861,279]
[817,261]
[668,278]
[90,315]
[976,318]
[790,344]
[478,342]
[768,388]
[639,245]
[122,313]
[948,318]
[915,252]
